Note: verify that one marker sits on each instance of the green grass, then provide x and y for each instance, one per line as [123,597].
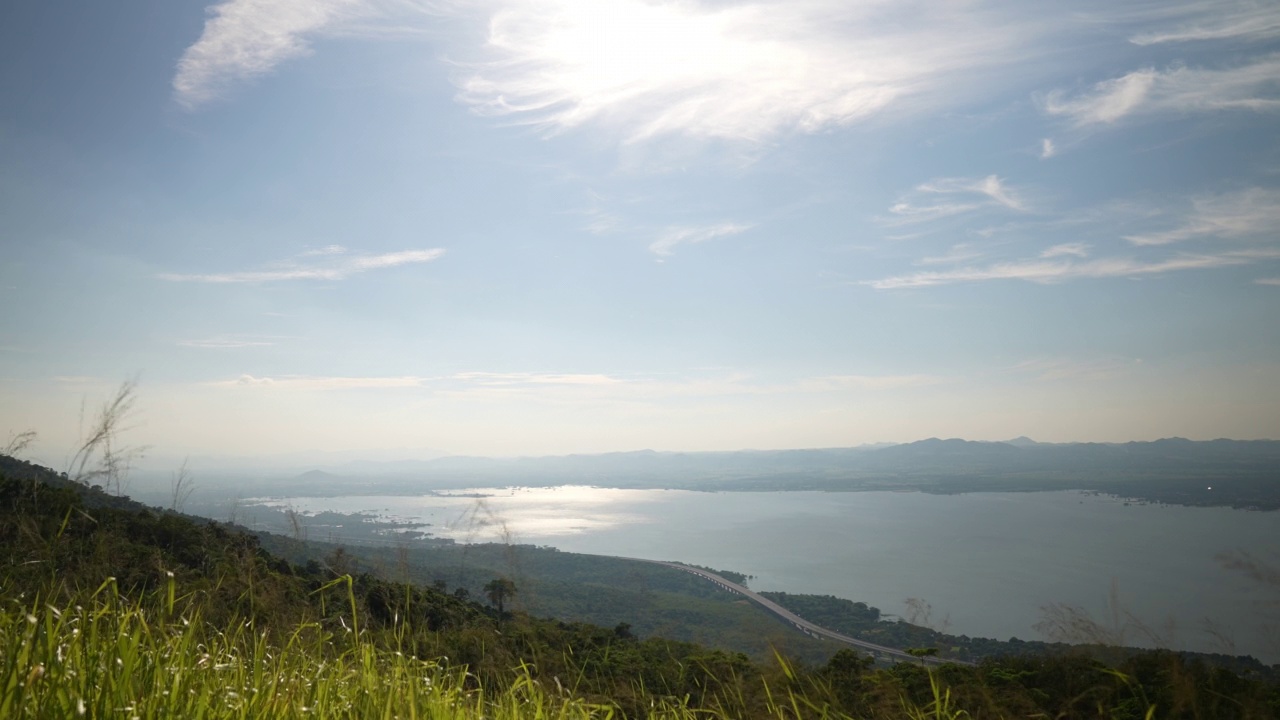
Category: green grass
[106,656]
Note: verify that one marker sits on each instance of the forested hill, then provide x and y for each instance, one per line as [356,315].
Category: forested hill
[178,590]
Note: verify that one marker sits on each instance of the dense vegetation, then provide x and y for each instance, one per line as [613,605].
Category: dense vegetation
[108,608]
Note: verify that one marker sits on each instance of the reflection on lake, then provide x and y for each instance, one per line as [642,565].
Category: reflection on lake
[987,562]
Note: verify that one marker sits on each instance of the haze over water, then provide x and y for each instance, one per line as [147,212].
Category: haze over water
[986,562]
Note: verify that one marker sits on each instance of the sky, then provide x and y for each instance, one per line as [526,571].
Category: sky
[405,228]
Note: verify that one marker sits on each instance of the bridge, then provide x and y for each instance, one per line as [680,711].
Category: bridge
[798,622]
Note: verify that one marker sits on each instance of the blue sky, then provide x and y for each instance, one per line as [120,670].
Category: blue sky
[404,227]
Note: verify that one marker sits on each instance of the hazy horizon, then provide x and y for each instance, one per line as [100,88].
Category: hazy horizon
[158,460]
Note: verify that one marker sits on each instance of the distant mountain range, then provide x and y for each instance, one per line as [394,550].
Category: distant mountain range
[950,455]
[1216,472]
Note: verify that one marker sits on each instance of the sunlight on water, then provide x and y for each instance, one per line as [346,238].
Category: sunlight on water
[986,562]
[522,515]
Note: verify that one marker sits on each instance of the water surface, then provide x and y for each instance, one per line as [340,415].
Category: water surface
[986,562]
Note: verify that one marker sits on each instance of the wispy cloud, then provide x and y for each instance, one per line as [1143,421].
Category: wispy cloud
[867,382]
[991,186]
[575,387]
[1046,271]
[962,252]
[77,379]
[671,237]
[1051,368]
[243,39]
[1079,250]
[1176,90]
[962,195]
[1253,212]
[1047,149]
[1268,281]
[734,71]
[1216,20]
[338,267]
[224,343]
[310,382]
[325,251]
[906,211]
[509,379]
[599,387]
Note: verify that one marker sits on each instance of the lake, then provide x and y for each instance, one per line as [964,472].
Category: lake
[986,562]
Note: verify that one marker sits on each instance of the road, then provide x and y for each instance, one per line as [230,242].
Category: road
[800,623]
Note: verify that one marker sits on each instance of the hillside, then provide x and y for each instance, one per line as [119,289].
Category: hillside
[185,583]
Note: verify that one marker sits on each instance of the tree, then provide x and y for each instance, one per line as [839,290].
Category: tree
[498,591]
[922,652]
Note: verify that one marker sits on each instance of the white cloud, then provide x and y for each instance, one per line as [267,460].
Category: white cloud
[326,250]
[243,39]
[1109,101]
[830,383]
[907,212]
[991,191]
[1177,90]
[1253,212]
[224,343]
[1272,253]
[1049,368]
[1268,281]
[600,387]
[1047,149]
[1048,271]
[672,237]
[308,382]
[341,267]
[491,378]
[590,387]
[962,252]
[1247,20]
[738,71]
[734,71]
[1079,250]
[991,186]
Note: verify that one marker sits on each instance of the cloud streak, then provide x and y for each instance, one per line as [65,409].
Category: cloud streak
[1245,21]
[340,267]
[224,343]
[1079,250]
[1049,271]
[1252,212]
[559,387]
[962,252]
[308,382]
[963,195]
[666,243]
[1178,90]
[1048,368]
